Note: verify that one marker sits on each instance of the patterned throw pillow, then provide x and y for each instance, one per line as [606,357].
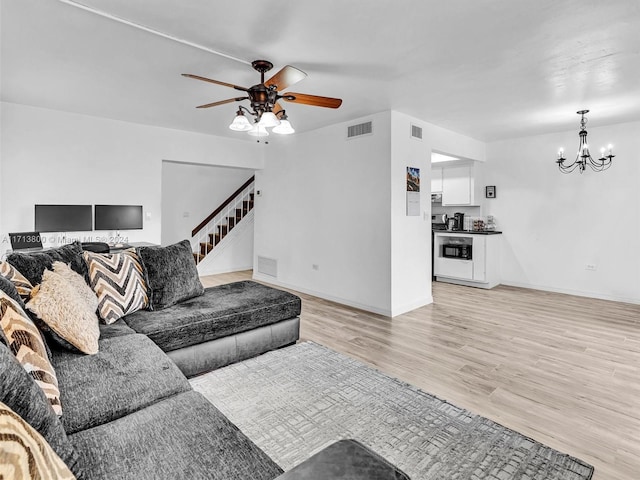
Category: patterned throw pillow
[23,285]
[27,345]
[65,314]
[118,281]
[24,453]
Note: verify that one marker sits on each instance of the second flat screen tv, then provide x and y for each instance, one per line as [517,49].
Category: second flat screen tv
[63,218]
[118,217]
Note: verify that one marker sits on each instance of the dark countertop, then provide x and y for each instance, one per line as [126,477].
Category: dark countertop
[464,232]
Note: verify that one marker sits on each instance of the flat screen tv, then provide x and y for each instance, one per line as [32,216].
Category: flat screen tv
[118,217]
[63,218]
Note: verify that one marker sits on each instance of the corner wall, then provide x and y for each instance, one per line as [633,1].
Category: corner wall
[411,235]
[56,157]
[555,224]
[325,201]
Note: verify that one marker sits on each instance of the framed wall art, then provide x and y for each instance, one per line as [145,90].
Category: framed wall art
[490,191]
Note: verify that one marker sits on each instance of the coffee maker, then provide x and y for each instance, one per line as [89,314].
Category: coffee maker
[459,218]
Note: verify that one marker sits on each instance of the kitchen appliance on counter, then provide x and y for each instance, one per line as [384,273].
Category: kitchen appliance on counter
[439,221]
[459,221]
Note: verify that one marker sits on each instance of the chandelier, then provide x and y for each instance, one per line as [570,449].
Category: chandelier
[583,157]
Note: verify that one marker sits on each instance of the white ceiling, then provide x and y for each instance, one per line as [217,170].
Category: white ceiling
[489,69]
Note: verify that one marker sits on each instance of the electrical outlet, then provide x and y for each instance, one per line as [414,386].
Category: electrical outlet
[590,266]
[315,267]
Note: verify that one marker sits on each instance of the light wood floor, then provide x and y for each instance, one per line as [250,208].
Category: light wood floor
[563,370]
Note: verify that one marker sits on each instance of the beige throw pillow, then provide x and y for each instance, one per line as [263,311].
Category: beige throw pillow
[72,323]
[24,453]
[25,342]
[77,281]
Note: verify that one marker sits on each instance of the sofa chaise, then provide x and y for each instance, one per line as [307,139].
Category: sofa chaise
[128,411]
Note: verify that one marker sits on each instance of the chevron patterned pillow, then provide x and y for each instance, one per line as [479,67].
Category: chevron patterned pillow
[23,285]
[24,453]
[118,281]
[25,342]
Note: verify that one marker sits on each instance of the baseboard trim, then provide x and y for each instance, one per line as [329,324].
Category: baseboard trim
[217,271]
[412,306]
[331,298]
[568,291]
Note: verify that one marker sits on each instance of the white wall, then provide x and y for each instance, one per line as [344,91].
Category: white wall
[56,157]
[410,235]
[555,224]
[326,201]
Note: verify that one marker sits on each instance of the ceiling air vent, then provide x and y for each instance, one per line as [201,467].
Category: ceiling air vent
[360,129]
[416,132]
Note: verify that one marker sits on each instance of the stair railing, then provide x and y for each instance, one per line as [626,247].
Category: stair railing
[233,207]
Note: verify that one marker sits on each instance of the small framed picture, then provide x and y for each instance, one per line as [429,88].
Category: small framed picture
[490,191]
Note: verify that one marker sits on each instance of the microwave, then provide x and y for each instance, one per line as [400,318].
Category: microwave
[457,250]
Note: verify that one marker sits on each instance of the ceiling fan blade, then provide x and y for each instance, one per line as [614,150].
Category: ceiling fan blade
[276,108]
[222,102]
[217,82]
[286,77]
[315,100]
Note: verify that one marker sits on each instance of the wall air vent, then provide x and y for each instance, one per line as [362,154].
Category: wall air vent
[365,128]
[416,132]
[268,266]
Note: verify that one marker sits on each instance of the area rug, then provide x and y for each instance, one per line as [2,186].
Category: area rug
[295,401]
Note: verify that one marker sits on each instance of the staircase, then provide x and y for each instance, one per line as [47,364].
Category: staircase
[222,220]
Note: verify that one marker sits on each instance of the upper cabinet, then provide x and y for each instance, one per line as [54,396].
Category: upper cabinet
[458,183]
[457,186]
[436,180]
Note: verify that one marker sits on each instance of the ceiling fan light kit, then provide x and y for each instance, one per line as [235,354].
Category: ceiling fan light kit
[264,97]
[240,123]
[583,157]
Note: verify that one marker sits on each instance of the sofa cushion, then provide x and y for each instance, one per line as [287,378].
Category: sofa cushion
[21,284]
[26,343]
[128,373]
[24,453]
[20,393]
[171,274]
[184,436]
[115,329]
[118,281]
[64,313]
[32,264]
[223,310]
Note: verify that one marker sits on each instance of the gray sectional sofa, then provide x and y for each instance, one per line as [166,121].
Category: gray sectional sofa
[129,411]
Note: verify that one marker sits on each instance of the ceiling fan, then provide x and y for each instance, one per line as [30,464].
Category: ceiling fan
[264,97]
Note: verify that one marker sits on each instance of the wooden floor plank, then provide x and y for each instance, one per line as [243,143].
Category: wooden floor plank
[562,369]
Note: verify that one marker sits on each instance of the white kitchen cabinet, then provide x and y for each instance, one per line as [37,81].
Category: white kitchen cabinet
[436,180]
[482,270]
[458,185]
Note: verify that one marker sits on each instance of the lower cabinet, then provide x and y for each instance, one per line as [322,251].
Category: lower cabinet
[482,269]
